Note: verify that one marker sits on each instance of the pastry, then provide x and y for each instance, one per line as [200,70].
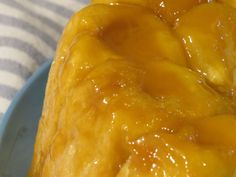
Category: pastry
[140,92]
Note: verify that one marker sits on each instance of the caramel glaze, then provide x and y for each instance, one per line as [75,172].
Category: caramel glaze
[129,95]
[168,10]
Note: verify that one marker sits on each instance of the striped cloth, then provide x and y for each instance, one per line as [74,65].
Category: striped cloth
[29,31]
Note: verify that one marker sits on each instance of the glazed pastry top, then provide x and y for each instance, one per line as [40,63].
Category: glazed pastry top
[142,88]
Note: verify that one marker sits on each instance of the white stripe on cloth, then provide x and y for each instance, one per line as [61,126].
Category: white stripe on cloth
[20,57]
[16,81]
[32,51]
[60,10]
[29,12]
[21,34]
[7,10]
[74,5]
[45,12]
[4,103]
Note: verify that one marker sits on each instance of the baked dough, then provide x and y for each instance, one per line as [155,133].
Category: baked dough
[127,96]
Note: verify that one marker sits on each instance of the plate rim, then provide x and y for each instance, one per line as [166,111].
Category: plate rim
[19,95]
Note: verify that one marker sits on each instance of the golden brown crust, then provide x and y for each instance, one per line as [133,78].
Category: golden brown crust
[124,100]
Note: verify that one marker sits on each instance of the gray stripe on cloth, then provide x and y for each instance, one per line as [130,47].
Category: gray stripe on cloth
[43,19]
[7,92]
[14,67]
[84,1]
[60,10]
[12,21]
[23,46]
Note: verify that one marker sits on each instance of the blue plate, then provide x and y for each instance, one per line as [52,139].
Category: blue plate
[19,126]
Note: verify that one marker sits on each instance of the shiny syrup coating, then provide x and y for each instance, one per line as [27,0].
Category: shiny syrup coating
[229,2]
[124,99]
[168,10]
[211,43]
